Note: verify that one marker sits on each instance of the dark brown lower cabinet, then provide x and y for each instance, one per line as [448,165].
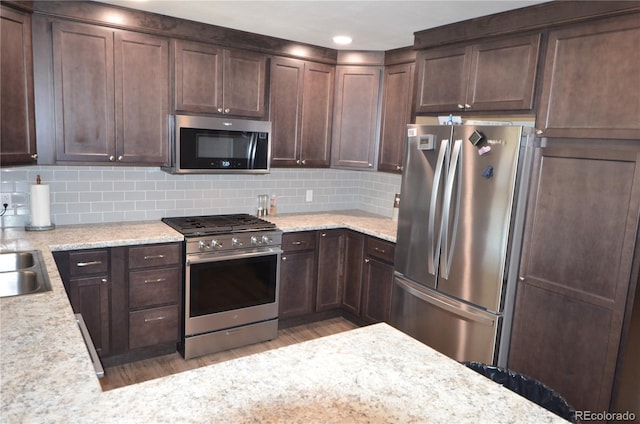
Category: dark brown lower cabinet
[297,274]
[576,268]
[377,280]
[353,260]
[129,297]
[330,269]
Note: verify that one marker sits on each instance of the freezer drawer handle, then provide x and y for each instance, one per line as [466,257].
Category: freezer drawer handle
[441,303]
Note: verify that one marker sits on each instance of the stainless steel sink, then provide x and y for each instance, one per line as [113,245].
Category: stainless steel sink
[14,261]
[23,273]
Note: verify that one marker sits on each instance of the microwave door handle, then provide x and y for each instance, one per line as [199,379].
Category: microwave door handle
[252,151]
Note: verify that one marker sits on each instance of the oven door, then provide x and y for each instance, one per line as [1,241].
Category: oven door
[228,290]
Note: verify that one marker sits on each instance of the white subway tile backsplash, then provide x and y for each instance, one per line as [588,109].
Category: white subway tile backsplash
[86,194]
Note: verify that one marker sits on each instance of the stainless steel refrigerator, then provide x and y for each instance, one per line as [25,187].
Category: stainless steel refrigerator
[460,224]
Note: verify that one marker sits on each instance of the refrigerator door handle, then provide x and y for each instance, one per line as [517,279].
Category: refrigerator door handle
[454,170]
[434,242]
[443,303]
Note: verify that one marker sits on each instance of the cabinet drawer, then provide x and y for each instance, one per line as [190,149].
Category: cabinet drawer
[153,326]
[304,240]
[383,250]
[154,287]
[154,255]
[89,262]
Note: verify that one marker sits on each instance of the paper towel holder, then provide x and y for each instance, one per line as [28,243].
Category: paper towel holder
[30,226]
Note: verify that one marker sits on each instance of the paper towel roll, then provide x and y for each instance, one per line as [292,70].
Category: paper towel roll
[40,205]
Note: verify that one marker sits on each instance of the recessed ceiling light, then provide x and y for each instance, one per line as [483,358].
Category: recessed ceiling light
[342,39]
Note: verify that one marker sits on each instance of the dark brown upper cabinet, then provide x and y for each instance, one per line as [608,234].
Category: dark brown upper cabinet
[356,129]
[215,80]
[495,75]
[397,98]
[301,108]
[110,95]
[591,81]
[17,126]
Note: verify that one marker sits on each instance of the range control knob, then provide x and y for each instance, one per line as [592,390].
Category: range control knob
[236,242]
[266,240]
[254,240]
[203,245]
[216,244]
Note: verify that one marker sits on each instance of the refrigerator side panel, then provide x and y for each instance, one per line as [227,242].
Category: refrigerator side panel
[477,214]
[453,328]
[421,192]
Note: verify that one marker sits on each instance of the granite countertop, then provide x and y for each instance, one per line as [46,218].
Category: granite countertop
[371,374]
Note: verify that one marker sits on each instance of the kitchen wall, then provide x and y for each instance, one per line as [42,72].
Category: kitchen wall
[91,194]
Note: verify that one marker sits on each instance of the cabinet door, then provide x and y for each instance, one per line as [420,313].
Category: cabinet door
[330,270]
[17,126]
[376,291]
[84,92]
[575,271]
[198,77]
[287,79]
[317,115]
[142,98]
[90,297]
[397,98]
[354,258]
[442,79]
[244,83]
[356,117]
[297,283]
[591,80]
[503,74]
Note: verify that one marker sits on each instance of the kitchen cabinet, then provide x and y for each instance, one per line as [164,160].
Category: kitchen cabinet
[330,269]
[87,279]
[397,99]
[353,262]
[297,274]
[17,126]
[493,75]
[155,281]
[377,280]
[301,108]
[576,267]
[220,81]
[110,95]
[356,117]
[586,98]
[130,297]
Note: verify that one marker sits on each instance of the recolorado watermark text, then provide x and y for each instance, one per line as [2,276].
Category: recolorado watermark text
[605,416]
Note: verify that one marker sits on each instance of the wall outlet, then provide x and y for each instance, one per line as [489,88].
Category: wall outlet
[309,196]
[6,200]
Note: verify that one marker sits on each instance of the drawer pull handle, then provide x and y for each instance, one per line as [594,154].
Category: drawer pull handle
[380,250]
[154,319]
[157,280]
[146,258]
[296,243]
[90,263]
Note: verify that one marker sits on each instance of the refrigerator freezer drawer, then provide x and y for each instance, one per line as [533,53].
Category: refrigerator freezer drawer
[455,329]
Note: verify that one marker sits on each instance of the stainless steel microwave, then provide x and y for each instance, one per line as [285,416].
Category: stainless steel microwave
[208,145]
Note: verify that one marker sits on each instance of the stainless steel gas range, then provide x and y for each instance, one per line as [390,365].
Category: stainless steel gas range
[232,280]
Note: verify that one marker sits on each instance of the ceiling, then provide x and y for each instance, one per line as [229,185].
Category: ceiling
[373,25]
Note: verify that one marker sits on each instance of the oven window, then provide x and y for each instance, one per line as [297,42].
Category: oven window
[232,284]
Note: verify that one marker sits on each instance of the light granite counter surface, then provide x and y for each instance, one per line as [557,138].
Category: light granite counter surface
[373,374]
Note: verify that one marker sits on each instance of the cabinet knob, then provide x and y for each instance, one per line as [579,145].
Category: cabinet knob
[369,165]
[521,278]
[227,110]
[323,234]
[112,158]
[120,157]
[284,258]
[467,106]
[298,161]
[539,132]
[399,168]
[366,261]
[219,110]
[104,280]
[460,106]
[304,162]
[34,156]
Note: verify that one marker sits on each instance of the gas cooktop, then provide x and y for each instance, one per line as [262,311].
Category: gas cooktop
[217,224]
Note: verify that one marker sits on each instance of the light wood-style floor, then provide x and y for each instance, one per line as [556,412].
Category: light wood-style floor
[136,372]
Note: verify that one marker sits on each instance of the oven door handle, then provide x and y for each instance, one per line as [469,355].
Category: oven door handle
[196,258]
